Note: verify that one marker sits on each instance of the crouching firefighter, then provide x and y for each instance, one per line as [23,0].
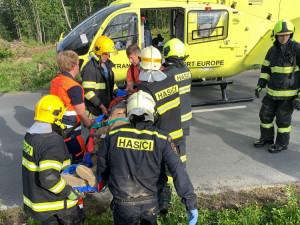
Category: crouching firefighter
[131,158]
[46,195]
[280,72]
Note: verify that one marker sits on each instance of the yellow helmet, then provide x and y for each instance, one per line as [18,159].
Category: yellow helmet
[150,58]
[49,109]
[141,103]
[174,47]
[104,45]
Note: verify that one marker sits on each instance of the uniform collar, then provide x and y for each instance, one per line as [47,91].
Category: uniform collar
[40,128]
[67,75]
[108,63]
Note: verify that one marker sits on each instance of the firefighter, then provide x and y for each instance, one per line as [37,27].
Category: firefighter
[98,78]
[46,195]
[174,52]
[72,95]
[280,73]
[165,92]
[131,159]
[133,52]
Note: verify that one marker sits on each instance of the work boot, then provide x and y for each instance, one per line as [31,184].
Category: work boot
[277,148]
[261,142]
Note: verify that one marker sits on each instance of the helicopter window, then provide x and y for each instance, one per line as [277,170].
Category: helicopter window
[207,26]
[123,30]
[80,38]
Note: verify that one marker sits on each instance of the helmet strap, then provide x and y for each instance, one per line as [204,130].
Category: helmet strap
[60,124]
[93,55]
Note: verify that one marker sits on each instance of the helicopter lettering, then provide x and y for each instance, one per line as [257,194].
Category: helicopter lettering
[210,63]
[121,66]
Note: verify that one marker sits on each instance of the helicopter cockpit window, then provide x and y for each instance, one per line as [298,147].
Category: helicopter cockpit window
[80,38]
[204,26]
[123,30]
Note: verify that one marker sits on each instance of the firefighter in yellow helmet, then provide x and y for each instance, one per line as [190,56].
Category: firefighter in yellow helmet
[46,195]
[174,53]
[136,152]
[98,77]
[280,74]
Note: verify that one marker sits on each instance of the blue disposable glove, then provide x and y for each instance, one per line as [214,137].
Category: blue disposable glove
[121,93]
[70,169]
[192,216]
[86,189]
[87,160]
[99,118]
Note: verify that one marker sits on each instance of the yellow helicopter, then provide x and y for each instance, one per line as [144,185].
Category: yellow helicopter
[222,37]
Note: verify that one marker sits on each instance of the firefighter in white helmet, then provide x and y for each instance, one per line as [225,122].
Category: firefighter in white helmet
[131,158]
[165,92]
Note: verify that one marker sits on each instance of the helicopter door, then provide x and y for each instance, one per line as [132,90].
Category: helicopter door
[123,30]
[177,18]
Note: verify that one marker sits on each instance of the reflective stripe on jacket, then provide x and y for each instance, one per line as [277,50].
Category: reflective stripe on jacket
[183,78]
[277,69]
[44,191]
[97,88]
[166,95]
[132,159]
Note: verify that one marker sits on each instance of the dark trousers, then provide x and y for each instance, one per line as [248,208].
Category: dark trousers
[164,191]
[144,213]
[282,110]
[181,147]
[72,218]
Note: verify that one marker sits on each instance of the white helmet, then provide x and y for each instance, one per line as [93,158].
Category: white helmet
[141,103]
[150,62]
[150,58]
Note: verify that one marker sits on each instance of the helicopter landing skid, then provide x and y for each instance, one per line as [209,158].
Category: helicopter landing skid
[224,100]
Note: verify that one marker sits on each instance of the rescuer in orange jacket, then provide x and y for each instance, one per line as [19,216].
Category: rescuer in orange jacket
[72,95]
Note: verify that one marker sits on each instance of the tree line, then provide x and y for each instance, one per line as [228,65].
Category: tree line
[43,20]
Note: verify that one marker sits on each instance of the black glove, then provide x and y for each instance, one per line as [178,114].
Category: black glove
[257,90]
[296,103]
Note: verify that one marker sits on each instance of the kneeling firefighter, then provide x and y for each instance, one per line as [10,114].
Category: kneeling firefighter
[280,73]
[46,195]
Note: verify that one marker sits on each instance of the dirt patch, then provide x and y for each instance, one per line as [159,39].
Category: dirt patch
[22,52]
[232,199]
[14,216]
[216,201]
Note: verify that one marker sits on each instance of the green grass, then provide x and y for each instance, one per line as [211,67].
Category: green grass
[282,212]
[18,75]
